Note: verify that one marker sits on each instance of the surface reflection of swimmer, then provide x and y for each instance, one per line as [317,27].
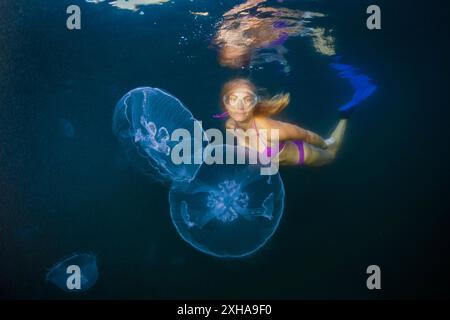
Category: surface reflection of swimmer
[250,28]
[295,146]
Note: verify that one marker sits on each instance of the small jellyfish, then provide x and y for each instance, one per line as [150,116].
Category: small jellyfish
[30,233]
[76,273]
[67,128]
[149,123]
[228,210]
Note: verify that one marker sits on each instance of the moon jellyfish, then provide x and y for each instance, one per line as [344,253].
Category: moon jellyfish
[228,210]
[67,128]
[76,273]
[362,84]
[144,122]
[30,233]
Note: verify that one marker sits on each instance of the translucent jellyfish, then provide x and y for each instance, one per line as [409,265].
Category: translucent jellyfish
[228,210]
[362,84]
[76,273]
[144,122]
[30,233]
[67,128]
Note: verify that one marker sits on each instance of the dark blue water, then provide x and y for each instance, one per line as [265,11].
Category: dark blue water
[66,187]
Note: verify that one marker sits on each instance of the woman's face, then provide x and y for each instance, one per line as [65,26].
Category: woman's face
[240,104]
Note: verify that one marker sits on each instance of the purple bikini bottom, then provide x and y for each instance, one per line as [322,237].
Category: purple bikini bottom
[301,150]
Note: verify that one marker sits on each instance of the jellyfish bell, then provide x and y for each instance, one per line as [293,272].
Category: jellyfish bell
[145,122]
[228,209]
[67,128]
[76,273]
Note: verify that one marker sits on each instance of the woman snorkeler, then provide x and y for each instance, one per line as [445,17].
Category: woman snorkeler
[297,146]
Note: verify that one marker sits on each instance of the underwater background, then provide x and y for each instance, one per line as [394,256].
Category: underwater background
[66,187]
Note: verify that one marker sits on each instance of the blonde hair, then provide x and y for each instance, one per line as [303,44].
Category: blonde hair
[265,107]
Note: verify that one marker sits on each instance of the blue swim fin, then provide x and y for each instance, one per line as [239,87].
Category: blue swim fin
[362,85]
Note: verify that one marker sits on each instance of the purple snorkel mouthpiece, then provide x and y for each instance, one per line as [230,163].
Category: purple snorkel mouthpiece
[220,115]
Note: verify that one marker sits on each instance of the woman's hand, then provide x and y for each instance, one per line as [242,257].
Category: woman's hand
[315,139]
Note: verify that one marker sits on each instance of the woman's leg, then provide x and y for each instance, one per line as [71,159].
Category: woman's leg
[316,157]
